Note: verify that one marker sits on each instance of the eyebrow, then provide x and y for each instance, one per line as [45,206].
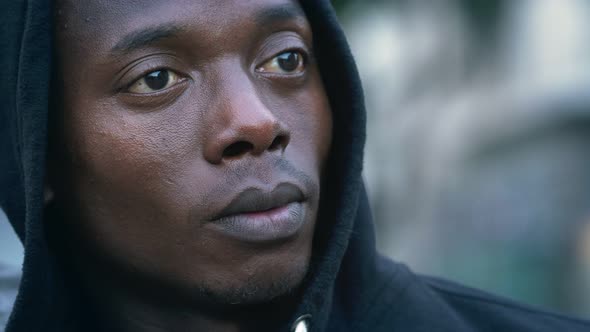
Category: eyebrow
[145,37]
[281,13]
[150,35]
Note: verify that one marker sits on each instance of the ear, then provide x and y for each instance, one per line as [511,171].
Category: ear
[48,189]
[48,194]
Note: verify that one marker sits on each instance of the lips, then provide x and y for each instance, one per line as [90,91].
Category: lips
[256,200]
[258,216]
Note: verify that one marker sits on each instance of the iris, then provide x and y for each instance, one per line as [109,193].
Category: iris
[289,61]
[157,80]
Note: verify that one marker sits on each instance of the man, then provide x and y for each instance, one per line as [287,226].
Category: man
[201,172]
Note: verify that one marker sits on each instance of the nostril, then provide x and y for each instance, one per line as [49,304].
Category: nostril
[278,143]
[237,149]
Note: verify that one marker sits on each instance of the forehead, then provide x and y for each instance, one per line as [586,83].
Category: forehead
[97,24]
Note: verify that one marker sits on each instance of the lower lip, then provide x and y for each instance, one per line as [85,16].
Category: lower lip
[276,224]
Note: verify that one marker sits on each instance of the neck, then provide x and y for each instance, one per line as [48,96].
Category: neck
[124,307]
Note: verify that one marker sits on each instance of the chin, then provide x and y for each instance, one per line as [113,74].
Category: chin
[266,284]
[252,275]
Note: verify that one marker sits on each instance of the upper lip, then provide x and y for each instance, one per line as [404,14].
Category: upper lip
[255,199]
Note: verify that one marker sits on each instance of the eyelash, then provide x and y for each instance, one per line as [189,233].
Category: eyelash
[144,74]
[306,59]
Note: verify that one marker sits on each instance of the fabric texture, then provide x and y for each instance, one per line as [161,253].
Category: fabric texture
[350,287]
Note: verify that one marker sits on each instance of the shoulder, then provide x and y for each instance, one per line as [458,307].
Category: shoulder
[431,304]
[498,313]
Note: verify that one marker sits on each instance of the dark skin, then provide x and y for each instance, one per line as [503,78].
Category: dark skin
[169,110]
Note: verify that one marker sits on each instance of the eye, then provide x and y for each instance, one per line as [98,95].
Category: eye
[290,62]
[155,81]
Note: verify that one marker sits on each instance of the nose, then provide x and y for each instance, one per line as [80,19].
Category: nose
[243,126]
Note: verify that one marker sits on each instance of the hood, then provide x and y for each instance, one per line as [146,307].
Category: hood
[43,302]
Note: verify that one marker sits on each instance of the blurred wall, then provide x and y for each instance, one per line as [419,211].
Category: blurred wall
[477,154]
[11,252]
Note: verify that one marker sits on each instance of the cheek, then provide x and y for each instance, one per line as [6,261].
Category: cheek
[312,132]
[115,150]
[324,128]
[123,167]
[130,188]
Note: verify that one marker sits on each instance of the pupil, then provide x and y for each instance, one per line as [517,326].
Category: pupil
[157,80]
[289,61]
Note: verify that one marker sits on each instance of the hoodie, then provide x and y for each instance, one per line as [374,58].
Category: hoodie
[350,287]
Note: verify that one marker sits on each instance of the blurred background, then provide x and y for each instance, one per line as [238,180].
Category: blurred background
[478,151]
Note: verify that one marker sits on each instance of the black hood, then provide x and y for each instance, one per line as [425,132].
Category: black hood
[343,245]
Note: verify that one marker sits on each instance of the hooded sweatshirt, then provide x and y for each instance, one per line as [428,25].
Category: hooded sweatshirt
[350,287]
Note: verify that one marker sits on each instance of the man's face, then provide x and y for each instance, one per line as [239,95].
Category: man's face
[193,136]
